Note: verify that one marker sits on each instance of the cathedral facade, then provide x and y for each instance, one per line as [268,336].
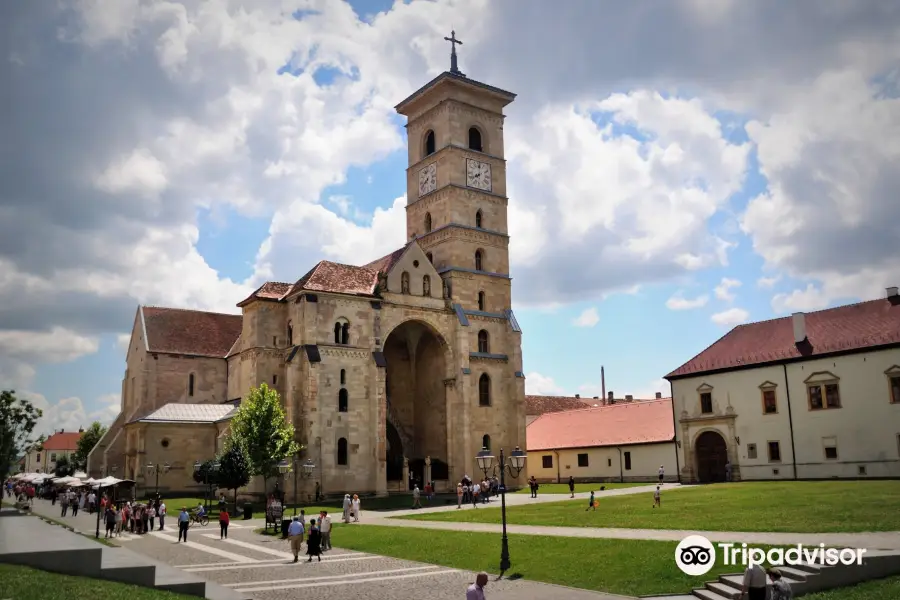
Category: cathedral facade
[402,367]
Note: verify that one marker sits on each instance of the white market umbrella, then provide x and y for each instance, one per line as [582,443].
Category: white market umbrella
[79,475]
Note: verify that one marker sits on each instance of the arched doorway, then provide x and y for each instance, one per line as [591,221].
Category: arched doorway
[712,455]
[416,400]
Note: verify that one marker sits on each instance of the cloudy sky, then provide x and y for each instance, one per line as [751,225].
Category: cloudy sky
[676,167]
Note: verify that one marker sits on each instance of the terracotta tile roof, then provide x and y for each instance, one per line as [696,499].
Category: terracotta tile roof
[385,263]
[538,405]
[271,290]
[189,413]
[614,425]
[844,328]
[333,277]
[179,331]
[67,440]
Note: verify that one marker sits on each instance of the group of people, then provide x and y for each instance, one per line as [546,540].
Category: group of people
[318,538]
[137,518]
[351,508]
[469,491]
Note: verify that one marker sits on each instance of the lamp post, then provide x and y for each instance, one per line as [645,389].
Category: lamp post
[515,465]
[306,470]
[157,469]
[213,467]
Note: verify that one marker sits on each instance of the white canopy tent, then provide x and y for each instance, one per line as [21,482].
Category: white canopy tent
[79,475]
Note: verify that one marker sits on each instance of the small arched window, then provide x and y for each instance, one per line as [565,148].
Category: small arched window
[479,260]
[486,442]
[343,400]
[480,300]
[337,333]
[343,376]
[475,139]
[191,384]
[404,283]
[345,333]
[342,451]
[430,257]
[429,143]
[478,219]
[484,390]
[290,334]
[427,222]
[483,342]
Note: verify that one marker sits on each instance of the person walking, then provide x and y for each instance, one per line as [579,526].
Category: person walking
[591,504]
[224,520]
[162,515]
[347,504]
[656,499]
[662,473]
[325,530]
[356,508]
[754,585]
[476,590]
[314,542]
[119,516]
[571,486]
[781,590]
[295,535]
[459,495]
[76,498]
[476,490]
[151,515]
[110,518]
[417,502]
[184,520]
[64,502]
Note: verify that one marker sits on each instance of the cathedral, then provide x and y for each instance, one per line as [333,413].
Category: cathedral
[397,370]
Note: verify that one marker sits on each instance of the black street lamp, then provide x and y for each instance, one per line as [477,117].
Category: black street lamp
[213,467]
[516,463]
[157,469]
[306,470]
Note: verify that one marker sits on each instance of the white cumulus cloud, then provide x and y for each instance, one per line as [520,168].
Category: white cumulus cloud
[723,290]
[587,318]
[679,302]
[731,317]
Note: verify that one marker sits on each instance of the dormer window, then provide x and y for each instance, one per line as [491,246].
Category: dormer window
[475,139]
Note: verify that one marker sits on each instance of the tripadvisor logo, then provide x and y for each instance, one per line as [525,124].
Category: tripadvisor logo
[695,555]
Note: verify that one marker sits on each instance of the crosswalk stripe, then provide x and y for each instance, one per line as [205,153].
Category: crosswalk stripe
[204,548]
[268,588]
[254,547]
[259,562]
[329,577]
[252,564]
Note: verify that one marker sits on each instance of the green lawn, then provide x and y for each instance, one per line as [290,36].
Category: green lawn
[880,589]
[793,506]
[24,582]
[630,567]
[563,488]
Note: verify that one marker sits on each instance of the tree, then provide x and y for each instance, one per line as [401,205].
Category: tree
[63,467]
[261,430]
[86,443]
[234,469]
[17,420]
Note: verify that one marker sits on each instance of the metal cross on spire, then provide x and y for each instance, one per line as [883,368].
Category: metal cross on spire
[453,42]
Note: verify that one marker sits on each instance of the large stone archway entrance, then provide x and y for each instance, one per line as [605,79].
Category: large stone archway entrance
[416,399]
[712,455]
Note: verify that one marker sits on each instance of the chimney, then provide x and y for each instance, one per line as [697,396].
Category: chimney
[799,327]
[659,395]
[603,381]
[892,292]
[628,397]
[577,397]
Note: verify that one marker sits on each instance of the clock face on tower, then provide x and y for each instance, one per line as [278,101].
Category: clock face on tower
[478,174]
[427,179]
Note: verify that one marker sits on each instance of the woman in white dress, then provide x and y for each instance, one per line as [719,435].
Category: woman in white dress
[355,509]
[347,504]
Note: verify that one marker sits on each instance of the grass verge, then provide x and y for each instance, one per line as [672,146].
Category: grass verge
[563,488]
[839,507]
[24,582]
[630,567]
[879,589]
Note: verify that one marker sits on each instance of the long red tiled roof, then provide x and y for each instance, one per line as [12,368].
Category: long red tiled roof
[385,263]
[337,278]
[66,440]
[539,405]
[271,290]
[844,328]
[193,332]
[614,425]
